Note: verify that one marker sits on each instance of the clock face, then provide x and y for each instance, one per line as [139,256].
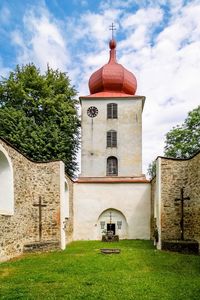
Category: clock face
[92,111]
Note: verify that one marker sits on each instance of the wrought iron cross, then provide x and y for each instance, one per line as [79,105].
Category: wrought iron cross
[110,217]
[40,205]
[110,220]
[182,211]
[112,27]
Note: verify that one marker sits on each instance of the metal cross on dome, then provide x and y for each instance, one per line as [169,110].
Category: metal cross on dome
[112,27]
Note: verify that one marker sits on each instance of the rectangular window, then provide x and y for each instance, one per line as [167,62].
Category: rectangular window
[112,138]
[112,111]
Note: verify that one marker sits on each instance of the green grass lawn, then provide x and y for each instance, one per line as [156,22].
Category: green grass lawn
[81,272]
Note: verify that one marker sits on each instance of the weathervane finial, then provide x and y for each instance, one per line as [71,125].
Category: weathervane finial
[112,27]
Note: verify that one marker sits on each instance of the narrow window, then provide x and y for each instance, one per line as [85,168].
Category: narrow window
[112,138]
[112,166]
[112,111]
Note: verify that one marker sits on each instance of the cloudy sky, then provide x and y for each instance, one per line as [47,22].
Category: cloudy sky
[158,40]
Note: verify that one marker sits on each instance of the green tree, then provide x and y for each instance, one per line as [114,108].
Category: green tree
[151,171]
[184,140]
[38,115]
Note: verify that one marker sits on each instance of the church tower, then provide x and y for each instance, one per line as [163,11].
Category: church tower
[112,123]
[111,194]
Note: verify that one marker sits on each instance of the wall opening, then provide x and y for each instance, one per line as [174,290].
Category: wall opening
[6,184]
[64,209]
[112,219]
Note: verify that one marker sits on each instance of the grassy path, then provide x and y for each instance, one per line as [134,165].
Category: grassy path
[81,272]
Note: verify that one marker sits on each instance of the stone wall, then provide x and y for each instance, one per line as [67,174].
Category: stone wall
[175,174]
[70,221]
[31,181]
[192,184]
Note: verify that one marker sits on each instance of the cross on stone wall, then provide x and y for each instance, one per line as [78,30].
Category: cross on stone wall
[182,211]
[40,205]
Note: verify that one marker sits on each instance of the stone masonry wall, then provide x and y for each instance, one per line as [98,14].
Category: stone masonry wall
[176,174]
[192,184]
[31,180]
[69,227]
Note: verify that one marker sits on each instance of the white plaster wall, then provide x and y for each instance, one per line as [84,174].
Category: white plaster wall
[157,202]
[91,199]
[64,204]
[129,137]
[6,184]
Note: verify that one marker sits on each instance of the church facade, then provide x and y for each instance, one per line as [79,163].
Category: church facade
[41,208]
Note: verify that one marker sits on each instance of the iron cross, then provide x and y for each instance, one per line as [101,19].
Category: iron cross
[110,217]
[182,211]
[112,27]
[40,205]
[110,220]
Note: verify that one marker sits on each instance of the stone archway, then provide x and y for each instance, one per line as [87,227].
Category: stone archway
[6,184]
[118,223]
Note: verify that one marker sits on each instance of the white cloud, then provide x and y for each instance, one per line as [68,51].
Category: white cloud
[143,16]
[175,6]
[107,4]
[42,41]
[139,27]
[93,27]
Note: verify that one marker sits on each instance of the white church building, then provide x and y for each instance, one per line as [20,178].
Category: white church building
[41,208]
[111,192]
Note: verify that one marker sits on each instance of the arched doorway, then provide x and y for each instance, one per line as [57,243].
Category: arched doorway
[6,184]
[112,219]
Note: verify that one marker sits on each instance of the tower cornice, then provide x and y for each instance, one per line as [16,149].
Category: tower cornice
[109,97]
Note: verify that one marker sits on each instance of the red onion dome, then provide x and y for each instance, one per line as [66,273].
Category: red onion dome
[113,77]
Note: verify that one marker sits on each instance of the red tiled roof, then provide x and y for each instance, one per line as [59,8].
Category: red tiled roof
[112,180]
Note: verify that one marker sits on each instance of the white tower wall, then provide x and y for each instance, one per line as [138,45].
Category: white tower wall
[129,136]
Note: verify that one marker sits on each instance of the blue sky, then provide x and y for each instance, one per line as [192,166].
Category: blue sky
[159,41]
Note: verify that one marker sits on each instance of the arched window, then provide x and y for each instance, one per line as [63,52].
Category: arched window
[6,184]
[112,138]
[112,166]
[112,111]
